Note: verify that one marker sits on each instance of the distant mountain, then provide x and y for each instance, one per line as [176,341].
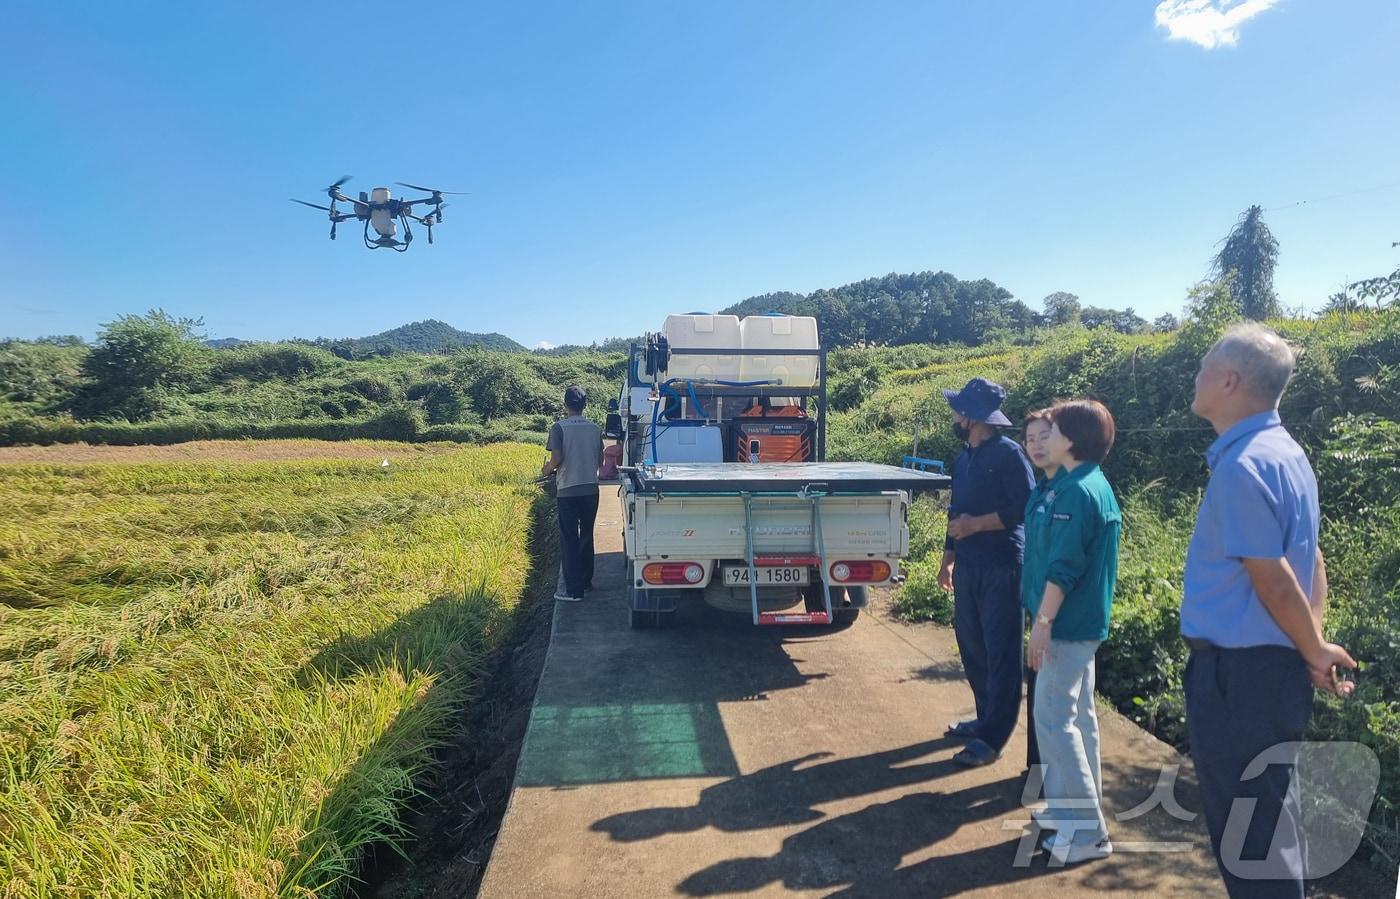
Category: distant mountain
[431,336]
[223,343]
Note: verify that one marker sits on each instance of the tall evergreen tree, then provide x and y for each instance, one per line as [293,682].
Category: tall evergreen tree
[1250,252]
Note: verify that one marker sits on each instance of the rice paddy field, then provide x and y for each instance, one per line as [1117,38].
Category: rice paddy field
[224,666]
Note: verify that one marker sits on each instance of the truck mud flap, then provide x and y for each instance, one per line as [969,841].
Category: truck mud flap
[648,609]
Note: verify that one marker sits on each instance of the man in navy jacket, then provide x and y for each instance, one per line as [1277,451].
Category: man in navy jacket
[992,479]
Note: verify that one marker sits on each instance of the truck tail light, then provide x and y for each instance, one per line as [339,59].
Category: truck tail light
[671,573]
[860,571]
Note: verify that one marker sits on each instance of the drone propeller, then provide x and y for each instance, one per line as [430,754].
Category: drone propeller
[312,205]
[336,186]
[429,190]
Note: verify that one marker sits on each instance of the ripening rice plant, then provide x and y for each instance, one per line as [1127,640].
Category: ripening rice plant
[222,677]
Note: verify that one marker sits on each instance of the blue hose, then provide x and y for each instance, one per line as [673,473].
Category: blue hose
[666,390]
[690,387]
[655,413]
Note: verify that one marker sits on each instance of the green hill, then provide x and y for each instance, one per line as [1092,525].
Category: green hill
[431,336]
[925,307]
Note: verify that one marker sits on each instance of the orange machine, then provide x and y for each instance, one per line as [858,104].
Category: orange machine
[783,434]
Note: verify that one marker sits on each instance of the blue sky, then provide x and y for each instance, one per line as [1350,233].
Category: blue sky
[626,160]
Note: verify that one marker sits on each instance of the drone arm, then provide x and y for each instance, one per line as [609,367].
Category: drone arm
[422,201]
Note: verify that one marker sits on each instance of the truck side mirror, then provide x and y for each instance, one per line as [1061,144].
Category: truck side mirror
[612,428]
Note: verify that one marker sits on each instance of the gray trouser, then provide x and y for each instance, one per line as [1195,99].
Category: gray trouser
[1067,728]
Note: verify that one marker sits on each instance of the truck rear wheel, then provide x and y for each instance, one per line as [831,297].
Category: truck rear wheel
[814,602]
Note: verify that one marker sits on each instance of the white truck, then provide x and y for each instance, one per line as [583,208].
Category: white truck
[726,494]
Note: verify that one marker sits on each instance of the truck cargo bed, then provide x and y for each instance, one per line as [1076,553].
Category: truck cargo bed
[831,478]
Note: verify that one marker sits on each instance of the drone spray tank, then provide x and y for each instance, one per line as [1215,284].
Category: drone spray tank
[380,217]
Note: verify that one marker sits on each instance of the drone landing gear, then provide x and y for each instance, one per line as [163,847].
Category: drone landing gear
[389,243]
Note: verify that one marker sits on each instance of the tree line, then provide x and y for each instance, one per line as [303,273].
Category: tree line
[140,364]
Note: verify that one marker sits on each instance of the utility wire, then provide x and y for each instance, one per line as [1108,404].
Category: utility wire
[1286,424]
[1350,193]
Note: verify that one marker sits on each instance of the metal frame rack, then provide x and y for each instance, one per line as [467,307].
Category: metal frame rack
[707,390]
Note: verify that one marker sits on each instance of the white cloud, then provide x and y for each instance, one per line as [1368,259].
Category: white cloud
[544,345]
[1208,23]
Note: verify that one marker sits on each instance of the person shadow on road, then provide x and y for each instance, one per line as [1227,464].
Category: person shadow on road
[784,794]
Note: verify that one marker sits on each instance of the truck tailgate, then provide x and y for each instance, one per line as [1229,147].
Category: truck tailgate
[712,527]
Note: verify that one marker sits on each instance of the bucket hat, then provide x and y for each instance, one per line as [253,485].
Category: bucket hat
[979,400]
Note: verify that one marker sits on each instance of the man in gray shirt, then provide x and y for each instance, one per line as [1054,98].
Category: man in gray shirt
[576,450]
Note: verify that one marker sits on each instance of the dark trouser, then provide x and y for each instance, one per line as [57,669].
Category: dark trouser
[576,515]
[1239,703]
[987,622]
[1032,747]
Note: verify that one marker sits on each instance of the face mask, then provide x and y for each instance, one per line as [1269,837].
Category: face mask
[961,431]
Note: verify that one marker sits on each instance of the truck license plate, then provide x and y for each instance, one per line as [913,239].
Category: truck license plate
[738,575]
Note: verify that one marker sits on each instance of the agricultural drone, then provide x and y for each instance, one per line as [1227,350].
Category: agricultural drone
[381,211]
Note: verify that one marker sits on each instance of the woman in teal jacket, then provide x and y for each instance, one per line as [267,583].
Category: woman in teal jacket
[1071,568]
[1037,428]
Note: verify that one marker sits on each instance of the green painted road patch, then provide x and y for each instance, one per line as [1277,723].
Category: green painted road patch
[586,744]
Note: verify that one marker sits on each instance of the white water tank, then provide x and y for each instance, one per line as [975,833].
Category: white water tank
[779,332]
[702,331]
[686,442]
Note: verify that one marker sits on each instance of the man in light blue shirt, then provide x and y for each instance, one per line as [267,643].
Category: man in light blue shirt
[1261,503]
[1255,591]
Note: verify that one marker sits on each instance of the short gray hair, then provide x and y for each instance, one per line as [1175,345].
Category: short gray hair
[1264,360]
